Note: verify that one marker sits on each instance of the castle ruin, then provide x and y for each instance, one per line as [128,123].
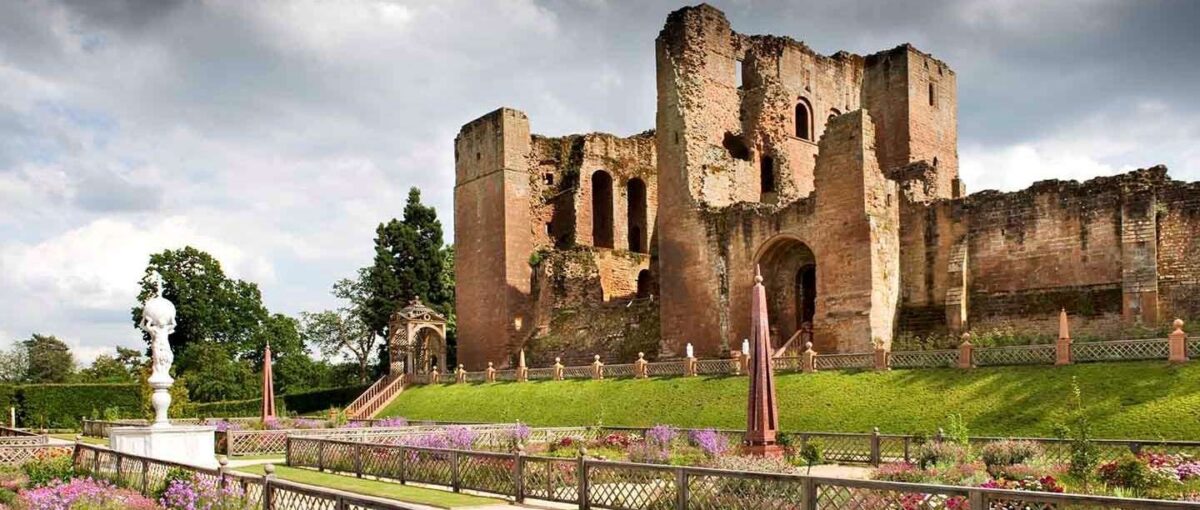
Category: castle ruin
[837,175]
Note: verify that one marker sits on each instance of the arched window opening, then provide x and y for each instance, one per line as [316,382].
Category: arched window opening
[766,173]
[832,113]
[636,214]
[602,210]
[803,120]
[643,284]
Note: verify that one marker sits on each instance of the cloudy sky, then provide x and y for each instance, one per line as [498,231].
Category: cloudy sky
[276,135]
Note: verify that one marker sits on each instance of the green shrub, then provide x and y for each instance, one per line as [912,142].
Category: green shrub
[1129,472]
[228,408]
[1084,453]
[940,452]
[45,470]
[1008,452]
[321,400]
[61,405]
[811,454]
[174,474]
[8,397]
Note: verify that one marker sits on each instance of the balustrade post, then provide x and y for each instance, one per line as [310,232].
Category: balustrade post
[581,479]
[882,358]
[519,473]
[737,362]
[455,481]
[681,489]
[1177,343]
[358,460]
[268,491]
[808,494]
[875,450]
[597,368]
[966,352]
[689,367]
[639,367]
[558,369]
[1062,347]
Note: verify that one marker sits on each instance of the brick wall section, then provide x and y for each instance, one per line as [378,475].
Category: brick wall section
[1178,212]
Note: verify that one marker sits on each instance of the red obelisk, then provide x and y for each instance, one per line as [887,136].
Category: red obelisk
[762,412]
[268,386]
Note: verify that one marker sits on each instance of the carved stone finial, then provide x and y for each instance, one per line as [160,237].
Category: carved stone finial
[1178,323]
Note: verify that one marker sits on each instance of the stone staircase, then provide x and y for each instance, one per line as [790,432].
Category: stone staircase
[378,396]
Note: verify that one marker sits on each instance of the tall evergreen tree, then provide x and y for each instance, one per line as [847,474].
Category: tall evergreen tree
[409,262]
[50,360]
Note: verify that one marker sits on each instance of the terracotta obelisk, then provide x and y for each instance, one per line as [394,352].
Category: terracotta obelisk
[268,386]
[762,411]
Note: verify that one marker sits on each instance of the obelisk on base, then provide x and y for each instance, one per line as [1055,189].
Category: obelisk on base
[192,445]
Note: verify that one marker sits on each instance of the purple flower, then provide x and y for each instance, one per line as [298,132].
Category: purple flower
[710,441]
[81,493]
[398,421]
[520,433]
[201,493]
[461,438]
[660,435]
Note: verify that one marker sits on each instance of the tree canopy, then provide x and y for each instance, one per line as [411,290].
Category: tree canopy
[49,360]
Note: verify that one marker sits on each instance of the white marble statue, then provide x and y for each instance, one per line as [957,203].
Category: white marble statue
[158,320]
[691,353]
[745,347]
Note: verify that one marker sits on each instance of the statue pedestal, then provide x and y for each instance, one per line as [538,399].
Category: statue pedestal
[191,445]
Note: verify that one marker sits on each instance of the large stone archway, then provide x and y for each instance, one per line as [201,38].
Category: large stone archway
[418,341]
[790,272]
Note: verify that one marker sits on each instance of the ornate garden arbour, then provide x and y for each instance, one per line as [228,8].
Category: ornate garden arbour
[418,340]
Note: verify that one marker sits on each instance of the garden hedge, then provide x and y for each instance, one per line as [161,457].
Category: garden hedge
[61,405]
[227,408]
[322,400]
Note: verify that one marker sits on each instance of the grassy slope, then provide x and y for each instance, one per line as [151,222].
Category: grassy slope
[389,490]
[1150,400]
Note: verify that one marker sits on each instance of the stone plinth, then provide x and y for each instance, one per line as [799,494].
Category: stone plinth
[191,445]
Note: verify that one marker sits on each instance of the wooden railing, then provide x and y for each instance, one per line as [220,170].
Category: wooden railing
[149,476]
[377,396]
[587,483]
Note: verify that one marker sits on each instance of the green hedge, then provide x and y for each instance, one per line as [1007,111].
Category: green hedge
[300,403]
[61,405]
[321,400]
[8,398]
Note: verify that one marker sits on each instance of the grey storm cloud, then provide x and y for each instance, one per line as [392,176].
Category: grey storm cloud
[279,133]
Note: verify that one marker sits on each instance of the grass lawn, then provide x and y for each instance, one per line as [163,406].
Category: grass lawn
[1144,400]
[419,495]
[89,440]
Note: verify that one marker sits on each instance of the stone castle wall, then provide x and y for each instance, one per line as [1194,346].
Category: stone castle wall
[838,175]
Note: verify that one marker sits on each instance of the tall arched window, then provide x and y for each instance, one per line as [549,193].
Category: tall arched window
[766,174]
[833,112]
[636,214]
[602,210]
[803,120]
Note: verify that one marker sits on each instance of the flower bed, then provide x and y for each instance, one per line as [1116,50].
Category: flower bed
[1022,465]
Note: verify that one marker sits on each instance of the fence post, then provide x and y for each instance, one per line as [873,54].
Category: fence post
[558,369]
[1062,348]
[519,473]
[454,474]
[966,352]
[145,478]
[268,496]
[1177,342]
[808,494]
[222,471]
[907,442]
[737,362]
[287,450]
[639,367]
[681,488]
[875,454]
[882,358]
[975,500]
[120,461]
[403,464]
[321,455]
[581,479]
[597,369]
[358,460]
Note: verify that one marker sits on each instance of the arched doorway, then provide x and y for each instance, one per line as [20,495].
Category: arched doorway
[636,214]
[643,284]
[602,209]
[789,271]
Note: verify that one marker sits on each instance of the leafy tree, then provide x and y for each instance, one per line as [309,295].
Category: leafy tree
[341,333]
[49,359]
[122,367]
[216,375]
[14,364]
[410,262]
[209,305]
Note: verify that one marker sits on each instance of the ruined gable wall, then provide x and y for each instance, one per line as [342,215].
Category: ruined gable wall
[1178,212]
